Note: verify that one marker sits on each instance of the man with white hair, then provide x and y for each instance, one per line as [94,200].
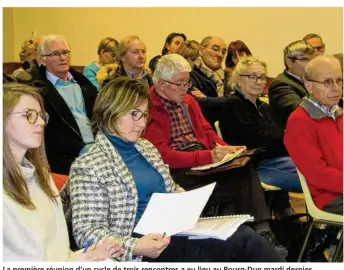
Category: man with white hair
[314,134]
[68,98]
[185,139]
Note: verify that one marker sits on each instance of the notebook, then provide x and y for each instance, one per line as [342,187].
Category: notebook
[227,158]
[221,227]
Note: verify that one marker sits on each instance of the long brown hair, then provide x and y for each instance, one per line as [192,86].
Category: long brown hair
[14,183]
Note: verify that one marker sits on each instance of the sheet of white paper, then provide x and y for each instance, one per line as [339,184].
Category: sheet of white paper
[225,159]
[173,212]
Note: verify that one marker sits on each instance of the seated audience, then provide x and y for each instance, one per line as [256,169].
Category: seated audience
[34,227]
[172,43]
[112,183]
[185,139]
[208,76]
[27,54]
[314,134]
[316,42]
[287,89]
[106,55]
[131,59]
[69,98]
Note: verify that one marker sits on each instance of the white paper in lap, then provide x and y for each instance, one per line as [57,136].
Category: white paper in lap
[173,212]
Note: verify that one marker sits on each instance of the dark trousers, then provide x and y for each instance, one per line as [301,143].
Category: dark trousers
[335,206]
[238,191]
[245,245]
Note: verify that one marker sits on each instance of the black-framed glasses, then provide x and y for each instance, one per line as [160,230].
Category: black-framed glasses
[179,85]
[302,59]
[56,54]
[254,78]
[137,115]
[319,48]
[329,82]
[32,115]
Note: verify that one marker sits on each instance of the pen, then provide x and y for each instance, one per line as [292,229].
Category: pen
[87,245]
[163,235]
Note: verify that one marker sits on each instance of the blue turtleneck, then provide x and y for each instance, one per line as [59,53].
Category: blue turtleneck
[146,178]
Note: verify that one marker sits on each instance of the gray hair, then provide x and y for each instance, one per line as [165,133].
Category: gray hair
[168,65]
[297,48]
[46,40]
[123,47]
[241,67]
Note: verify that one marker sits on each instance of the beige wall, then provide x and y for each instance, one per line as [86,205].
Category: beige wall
[8,35]
[265,30]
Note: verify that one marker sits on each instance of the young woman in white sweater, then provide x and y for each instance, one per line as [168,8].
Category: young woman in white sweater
[34,227]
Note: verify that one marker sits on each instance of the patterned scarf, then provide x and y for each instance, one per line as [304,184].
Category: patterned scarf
[216,76]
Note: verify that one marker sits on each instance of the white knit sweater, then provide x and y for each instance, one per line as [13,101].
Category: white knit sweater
[34,235]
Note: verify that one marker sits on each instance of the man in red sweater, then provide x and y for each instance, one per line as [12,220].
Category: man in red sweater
[185,139]
[314,134]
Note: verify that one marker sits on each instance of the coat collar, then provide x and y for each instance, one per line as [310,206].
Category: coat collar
[116,160]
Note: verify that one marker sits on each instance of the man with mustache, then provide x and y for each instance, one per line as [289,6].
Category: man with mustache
[131,59]
[207,75]
[69,99]
[314,134]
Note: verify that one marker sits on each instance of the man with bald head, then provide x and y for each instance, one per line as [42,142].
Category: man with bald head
[314,134]
[208,76]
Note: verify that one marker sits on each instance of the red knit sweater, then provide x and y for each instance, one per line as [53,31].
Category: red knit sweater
[316,147]
[159,130]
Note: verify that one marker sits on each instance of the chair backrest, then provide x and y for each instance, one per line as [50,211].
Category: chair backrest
[313,210]
[218,130]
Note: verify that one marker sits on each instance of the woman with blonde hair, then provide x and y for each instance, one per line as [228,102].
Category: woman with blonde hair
[34,227]
[106,56]
[27,54]
[190,51]
[111,185]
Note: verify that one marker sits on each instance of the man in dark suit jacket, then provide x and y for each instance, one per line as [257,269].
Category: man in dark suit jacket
[69,98]
[287,90]
[207,76]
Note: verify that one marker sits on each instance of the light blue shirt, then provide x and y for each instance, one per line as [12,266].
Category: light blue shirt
[71,93]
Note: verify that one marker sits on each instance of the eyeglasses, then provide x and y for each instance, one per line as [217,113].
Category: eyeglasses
[32,116]
[329,82]
[319,48]
[304,59]
[113,54]
[254,78]
[56,54]
[137,115]
[218,49]
[181,85]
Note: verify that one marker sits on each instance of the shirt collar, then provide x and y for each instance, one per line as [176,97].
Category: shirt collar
[168,104]
[130,74]
[296,77]
[318,111]
[54,79]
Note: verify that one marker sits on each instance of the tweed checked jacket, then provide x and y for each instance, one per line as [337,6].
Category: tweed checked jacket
[103,194]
